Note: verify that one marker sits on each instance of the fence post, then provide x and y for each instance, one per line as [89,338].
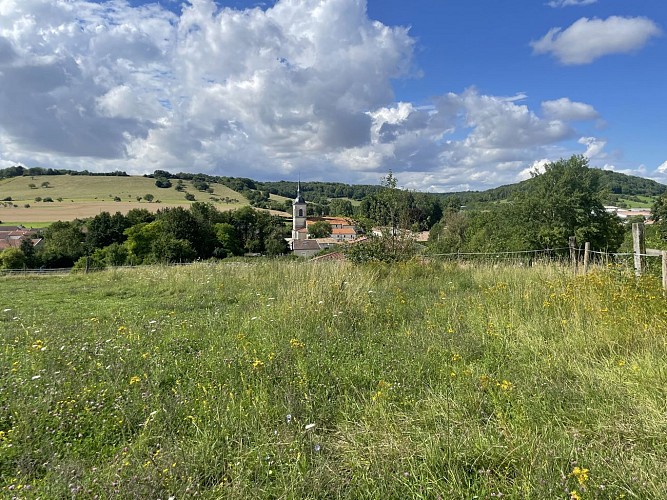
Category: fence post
[573,252]
[587,255]
[664,269]
[638,245]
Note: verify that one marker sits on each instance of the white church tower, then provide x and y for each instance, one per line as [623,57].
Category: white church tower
[299,216]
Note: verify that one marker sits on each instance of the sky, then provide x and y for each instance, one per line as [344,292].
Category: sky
[448,95]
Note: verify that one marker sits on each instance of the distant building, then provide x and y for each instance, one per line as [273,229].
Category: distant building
[342,229]
[624,213]
[13,236]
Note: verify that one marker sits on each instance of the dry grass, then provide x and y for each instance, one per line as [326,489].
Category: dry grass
[87,196]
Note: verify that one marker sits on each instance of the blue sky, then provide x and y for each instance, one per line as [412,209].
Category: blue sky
[449,95]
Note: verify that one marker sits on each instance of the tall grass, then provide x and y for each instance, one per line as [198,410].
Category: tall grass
[293,380]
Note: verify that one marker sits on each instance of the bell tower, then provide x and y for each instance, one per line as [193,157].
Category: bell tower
[298,215]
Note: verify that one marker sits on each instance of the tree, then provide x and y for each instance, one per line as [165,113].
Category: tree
[28,249]
[449,234]
[275,243]
[659,215]
[12,258]
[139,215]
[564,201]
[63,244]
[229,241]
[105,229]
[391,208]
[341,207]
[320,229]
[149,197]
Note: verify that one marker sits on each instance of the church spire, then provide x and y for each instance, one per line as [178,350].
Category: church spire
[299,198]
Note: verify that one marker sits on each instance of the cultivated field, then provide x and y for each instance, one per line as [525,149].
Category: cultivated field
[87,196]
[296,380]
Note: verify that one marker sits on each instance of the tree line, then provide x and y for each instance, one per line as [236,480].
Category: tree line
[173,234]
[565,200]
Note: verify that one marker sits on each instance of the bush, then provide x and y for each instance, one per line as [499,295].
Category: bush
[189,196]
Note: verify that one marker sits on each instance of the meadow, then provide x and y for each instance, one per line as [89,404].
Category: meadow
[284,379]
[82,196]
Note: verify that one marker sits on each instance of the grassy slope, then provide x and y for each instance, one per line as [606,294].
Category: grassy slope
[421,381]
[86,196]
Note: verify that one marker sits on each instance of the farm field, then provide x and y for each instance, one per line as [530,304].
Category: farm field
[87,196]
[282,379]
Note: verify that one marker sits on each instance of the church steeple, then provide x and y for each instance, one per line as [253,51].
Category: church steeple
[299,198]
[298,214]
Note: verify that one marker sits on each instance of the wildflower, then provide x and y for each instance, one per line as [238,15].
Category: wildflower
[574,495]
[122,329]
[135,379]
[580,474]
[505,385]
[456,357]
[258,364]
[288,418]
[296,344]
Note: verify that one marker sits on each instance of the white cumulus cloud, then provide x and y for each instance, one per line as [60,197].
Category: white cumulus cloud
[589,39]
[564,109]
[305,85]
[594,146]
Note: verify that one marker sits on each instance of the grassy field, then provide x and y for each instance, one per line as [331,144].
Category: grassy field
[645,202]
[87,196]
[296,380]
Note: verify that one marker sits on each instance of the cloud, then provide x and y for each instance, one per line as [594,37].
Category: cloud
[590,39]
[568,3]
[538,167]
[594,146]
[564,109]
[263,93]
[663,168]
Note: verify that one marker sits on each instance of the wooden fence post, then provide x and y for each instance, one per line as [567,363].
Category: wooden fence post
[573,252]
[638,245]
[587,255]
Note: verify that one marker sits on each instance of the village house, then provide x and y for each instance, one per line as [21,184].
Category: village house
[13,236]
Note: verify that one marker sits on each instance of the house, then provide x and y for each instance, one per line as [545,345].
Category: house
[13,236]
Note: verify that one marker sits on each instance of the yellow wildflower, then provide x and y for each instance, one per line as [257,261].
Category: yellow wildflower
[505,385]
[135,379]
[580,474]
[296,344]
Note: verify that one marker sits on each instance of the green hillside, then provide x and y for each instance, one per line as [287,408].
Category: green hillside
[47,198]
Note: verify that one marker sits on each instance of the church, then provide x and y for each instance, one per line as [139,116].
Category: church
[300,244]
